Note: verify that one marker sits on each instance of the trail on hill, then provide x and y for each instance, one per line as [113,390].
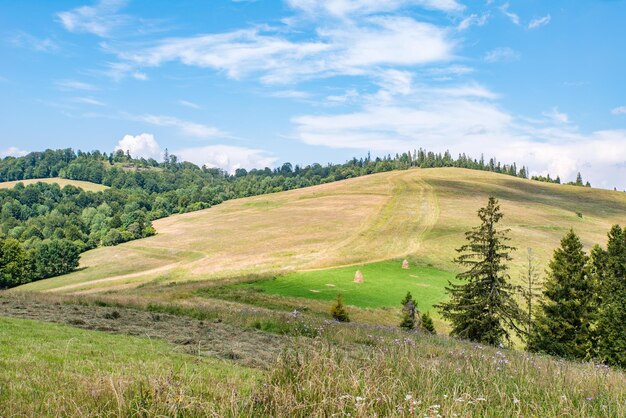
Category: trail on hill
[396,230]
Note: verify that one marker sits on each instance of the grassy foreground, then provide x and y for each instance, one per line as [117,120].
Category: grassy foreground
[56,370]
[85,185]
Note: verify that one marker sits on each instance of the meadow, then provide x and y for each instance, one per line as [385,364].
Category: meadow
[385,284]
[85,185]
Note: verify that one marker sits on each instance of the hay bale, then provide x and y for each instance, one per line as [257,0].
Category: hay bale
[405,264]
[358,277]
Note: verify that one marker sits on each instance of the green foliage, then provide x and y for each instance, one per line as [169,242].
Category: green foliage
[52,258]
[338,310]
[484,309]
[611,280]
[427,323]
[564,320]
[409,312]
[13,265]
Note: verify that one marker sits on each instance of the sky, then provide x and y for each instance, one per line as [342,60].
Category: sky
[245,83]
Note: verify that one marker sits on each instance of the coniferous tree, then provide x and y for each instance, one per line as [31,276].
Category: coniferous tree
[409,312]
[563,323]
[484,309]
[427,323]
[611,326]
[338,310]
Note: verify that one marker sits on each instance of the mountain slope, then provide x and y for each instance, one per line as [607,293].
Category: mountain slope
[421,213]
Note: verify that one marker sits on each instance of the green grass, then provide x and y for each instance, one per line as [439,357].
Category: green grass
[55,370]
[384,286]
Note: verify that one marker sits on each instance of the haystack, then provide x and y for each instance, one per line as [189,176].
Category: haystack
[405,264]
[358,277]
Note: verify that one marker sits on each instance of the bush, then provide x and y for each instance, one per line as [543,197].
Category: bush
[338,311]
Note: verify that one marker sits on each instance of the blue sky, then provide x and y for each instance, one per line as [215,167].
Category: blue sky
[256,83]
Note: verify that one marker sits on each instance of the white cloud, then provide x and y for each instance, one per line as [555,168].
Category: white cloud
[539,22]
[291,94]
[100,19]
[556,116]
[226,157]
[188,104]
[12,152]
[621,110]
[346,49]
[186,127]
[344,8]
[513,16]
[140,76]
[348,96]
[504,54]
[75,85]
[473,20]
[143,145]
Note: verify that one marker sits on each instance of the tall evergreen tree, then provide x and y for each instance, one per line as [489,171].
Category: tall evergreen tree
[410,314]
[484,309]
[611,326]
[564,318]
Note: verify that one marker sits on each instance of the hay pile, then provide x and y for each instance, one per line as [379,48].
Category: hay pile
[358,277]
[405,264]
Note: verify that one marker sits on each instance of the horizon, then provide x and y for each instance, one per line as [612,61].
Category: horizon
[249,84]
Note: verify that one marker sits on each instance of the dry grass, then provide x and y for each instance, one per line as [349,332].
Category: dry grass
[422,213]
[85,185]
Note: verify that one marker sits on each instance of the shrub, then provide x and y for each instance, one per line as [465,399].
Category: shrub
[338,311]
[427,323]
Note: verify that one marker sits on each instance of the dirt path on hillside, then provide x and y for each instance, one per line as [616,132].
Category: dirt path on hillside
[208,338]
[396,230]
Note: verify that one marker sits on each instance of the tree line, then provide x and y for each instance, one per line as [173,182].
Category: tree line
[581,314]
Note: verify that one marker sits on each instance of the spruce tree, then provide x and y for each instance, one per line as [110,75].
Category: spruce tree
[611,325]
[563,322]
[338,310]
[427,323]
[409,312]
[484,309]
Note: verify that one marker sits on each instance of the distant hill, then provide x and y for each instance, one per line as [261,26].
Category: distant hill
[418,213]
[85,185]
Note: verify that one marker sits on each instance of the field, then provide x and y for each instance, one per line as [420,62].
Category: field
[385,284]
[85,185]
[420,213]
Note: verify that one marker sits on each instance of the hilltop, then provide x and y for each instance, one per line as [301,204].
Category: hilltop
[85,185]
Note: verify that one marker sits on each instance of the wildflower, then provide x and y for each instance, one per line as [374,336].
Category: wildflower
[589,398]
[359,399]
[408,397]
[516,401]
[481,399]
[564,398]
[295,314]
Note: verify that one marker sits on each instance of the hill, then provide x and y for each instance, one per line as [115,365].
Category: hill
[418,213]
[85,185]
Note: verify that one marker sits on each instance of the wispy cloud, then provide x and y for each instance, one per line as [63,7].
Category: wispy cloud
[504,54]
[25,40]
[75,85]
[473,20]
[539,22]
[514,17]
[337,50]
[88,100]
[291,94]
[557,116]
[188,128]
[621,110]
[187,103]
[345,8]
[99,19]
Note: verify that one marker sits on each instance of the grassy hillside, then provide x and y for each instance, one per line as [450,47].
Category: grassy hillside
[421,213]
[85,185]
